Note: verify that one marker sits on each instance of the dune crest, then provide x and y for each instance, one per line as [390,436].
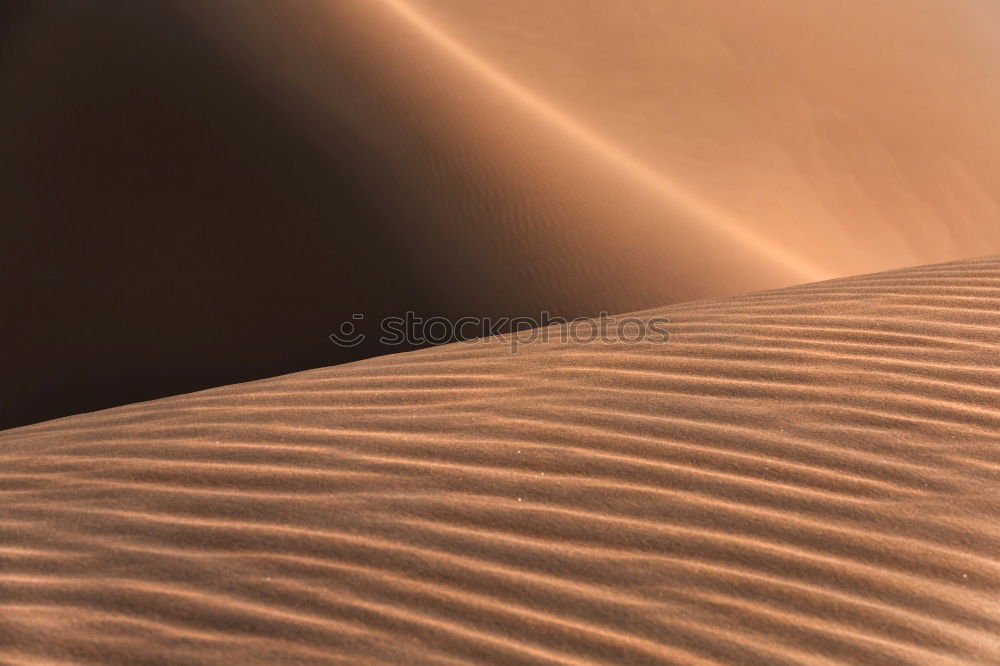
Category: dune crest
[698,210]
[823,139]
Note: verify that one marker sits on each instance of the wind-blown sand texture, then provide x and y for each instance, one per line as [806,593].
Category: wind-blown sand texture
[807,475]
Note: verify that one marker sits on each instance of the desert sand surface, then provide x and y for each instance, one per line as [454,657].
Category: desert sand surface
[805,475]
[201,191]
[194,194]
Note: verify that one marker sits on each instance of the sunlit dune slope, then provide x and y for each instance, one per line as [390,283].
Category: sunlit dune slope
[807,475]
[710,144]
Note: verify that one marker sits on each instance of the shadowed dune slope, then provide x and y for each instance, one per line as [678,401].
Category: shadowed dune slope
[808,475]
[162,228]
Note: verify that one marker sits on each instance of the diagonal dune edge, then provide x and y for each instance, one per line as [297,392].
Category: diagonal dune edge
[805,475]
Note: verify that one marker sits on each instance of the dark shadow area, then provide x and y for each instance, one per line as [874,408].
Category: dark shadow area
[162,228]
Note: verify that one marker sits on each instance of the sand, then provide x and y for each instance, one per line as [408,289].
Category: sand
[807,475]
[206,189]
[194,195]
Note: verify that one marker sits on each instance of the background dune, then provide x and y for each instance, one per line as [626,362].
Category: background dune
[808,475]
[195,194]
[817,137]
[858,136]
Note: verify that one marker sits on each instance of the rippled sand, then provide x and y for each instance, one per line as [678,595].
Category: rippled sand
[195,194]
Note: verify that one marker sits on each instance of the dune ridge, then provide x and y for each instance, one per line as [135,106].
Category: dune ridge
[809,140]
[698,210]
[804,475]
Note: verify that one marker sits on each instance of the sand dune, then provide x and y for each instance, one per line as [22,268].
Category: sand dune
[806,475]
[857,136]
[808,139]
[195,194]
[201,191]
